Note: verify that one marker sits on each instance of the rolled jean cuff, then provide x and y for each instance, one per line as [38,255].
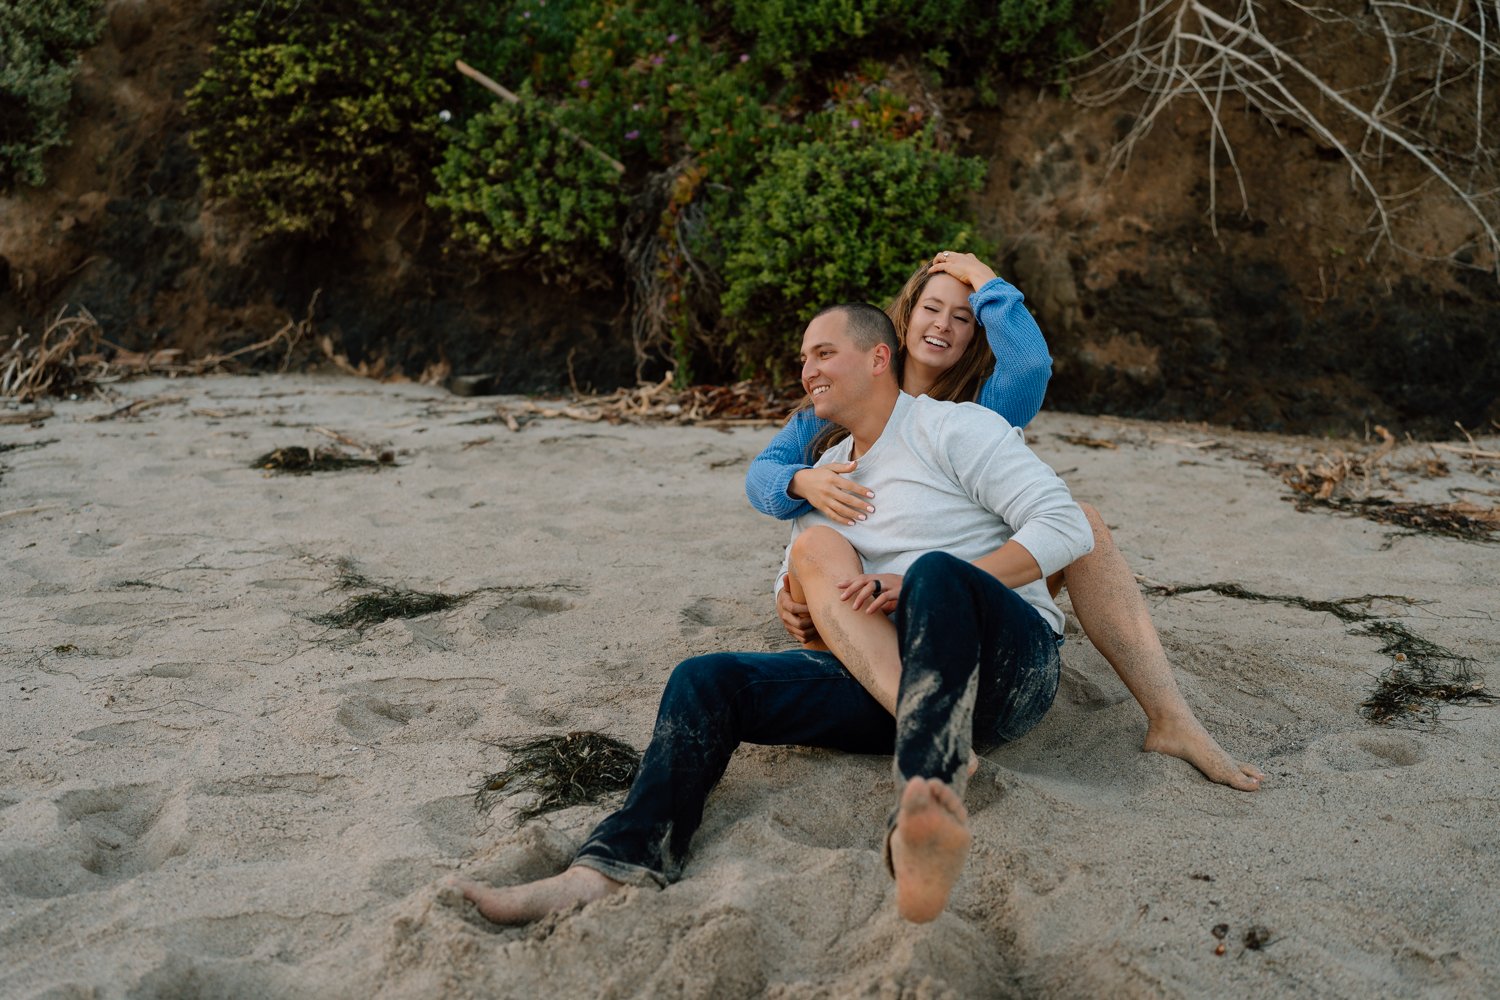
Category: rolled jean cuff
[623,871]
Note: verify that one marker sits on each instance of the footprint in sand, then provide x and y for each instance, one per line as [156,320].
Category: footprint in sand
[367,719]
[106,613]
[450,823]
[181,975]
[108,835]
[518,611]
[706,612]
[417,709]
[133,733]
[1366,752]
[92,543]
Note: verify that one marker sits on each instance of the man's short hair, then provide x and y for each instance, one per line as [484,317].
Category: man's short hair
[867,324]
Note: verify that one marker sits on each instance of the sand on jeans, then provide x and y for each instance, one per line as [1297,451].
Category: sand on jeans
[205,793]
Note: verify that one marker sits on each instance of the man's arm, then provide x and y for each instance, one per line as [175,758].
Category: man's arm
[989,459]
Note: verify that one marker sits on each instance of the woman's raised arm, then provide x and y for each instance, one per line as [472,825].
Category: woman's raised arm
[1022,364]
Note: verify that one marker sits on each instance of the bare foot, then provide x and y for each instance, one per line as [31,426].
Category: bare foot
[1189,741]
[928,848]
[521,904]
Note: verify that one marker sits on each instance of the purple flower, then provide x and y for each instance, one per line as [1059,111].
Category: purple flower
[583,85]
[744,57]
[657,60]
[636,106]
[633,134]
[525,14]
[672,39]
[854,123]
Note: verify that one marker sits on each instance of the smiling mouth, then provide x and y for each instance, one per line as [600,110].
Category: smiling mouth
[818,390]
[941,345]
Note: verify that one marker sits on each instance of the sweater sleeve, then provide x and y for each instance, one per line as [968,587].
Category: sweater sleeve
[770,474]
[1001,474]
[1022,364]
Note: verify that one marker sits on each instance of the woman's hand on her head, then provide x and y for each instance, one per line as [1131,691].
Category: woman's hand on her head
[964,266]
[795,617]
[872,593]
[825,488]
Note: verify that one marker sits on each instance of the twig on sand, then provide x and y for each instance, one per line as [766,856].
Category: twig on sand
[137,408]
[743,404]
[20,511]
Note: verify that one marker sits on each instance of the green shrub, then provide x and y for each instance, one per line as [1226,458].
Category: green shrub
[308,110]
[39,45]
[516,186]
[838,219]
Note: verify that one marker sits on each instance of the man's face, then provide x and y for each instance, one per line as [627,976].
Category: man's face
[835,372]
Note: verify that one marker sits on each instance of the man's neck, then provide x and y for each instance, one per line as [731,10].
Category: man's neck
[866,426]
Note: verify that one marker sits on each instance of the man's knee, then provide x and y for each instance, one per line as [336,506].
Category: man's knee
[699,683]
[932,571]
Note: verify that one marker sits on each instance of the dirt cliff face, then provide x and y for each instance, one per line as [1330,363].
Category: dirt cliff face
[1272,315]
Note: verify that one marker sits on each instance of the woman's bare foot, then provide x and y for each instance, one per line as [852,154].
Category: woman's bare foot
[521,904]
[1189,741]
[928,848]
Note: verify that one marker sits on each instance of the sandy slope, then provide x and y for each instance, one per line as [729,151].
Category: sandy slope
[205,794]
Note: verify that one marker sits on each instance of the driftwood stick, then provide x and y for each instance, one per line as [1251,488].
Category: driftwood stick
[1468,452]
[514,98]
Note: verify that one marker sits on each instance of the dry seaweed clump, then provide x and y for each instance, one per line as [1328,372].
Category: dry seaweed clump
[385,604]
[300,461]
[1345,484]
[1425,677]
[559,771]
[1470,522]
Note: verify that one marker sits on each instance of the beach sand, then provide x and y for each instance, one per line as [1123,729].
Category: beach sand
[205,793]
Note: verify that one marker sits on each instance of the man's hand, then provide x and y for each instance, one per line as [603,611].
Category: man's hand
[826,489]
[872,593]
[795,617]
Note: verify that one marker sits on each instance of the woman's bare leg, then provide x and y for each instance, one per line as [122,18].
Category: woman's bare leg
[1113,614]
[865,644]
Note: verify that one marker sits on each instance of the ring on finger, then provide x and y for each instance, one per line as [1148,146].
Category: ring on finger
[878,588]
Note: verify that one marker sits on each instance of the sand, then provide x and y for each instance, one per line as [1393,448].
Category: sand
[205,793]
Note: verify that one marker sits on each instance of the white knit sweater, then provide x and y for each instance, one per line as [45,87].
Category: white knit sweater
[957,478]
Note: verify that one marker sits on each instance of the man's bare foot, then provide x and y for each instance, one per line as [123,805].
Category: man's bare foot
[521,904]
[1188,740]
[928,848]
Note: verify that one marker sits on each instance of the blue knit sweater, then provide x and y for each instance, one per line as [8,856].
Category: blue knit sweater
[1014,390]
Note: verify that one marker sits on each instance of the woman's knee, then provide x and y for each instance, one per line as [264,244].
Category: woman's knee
[817,546]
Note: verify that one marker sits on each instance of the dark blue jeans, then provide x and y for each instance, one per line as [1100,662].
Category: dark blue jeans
[979,667]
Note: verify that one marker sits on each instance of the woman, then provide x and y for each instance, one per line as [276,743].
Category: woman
[964,334]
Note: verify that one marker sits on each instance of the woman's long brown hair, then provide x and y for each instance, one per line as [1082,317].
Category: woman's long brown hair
[959,384]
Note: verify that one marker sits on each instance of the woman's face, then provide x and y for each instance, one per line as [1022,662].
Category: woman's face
[941,324]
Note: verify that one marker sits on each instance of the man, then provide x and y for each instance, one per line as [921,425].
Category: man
[975,522]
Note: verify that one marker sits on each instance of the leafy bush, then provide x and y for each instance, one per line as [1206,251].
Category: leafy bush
[309,109]
[515,185]
[645,82]
[838,219]
[39,48]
